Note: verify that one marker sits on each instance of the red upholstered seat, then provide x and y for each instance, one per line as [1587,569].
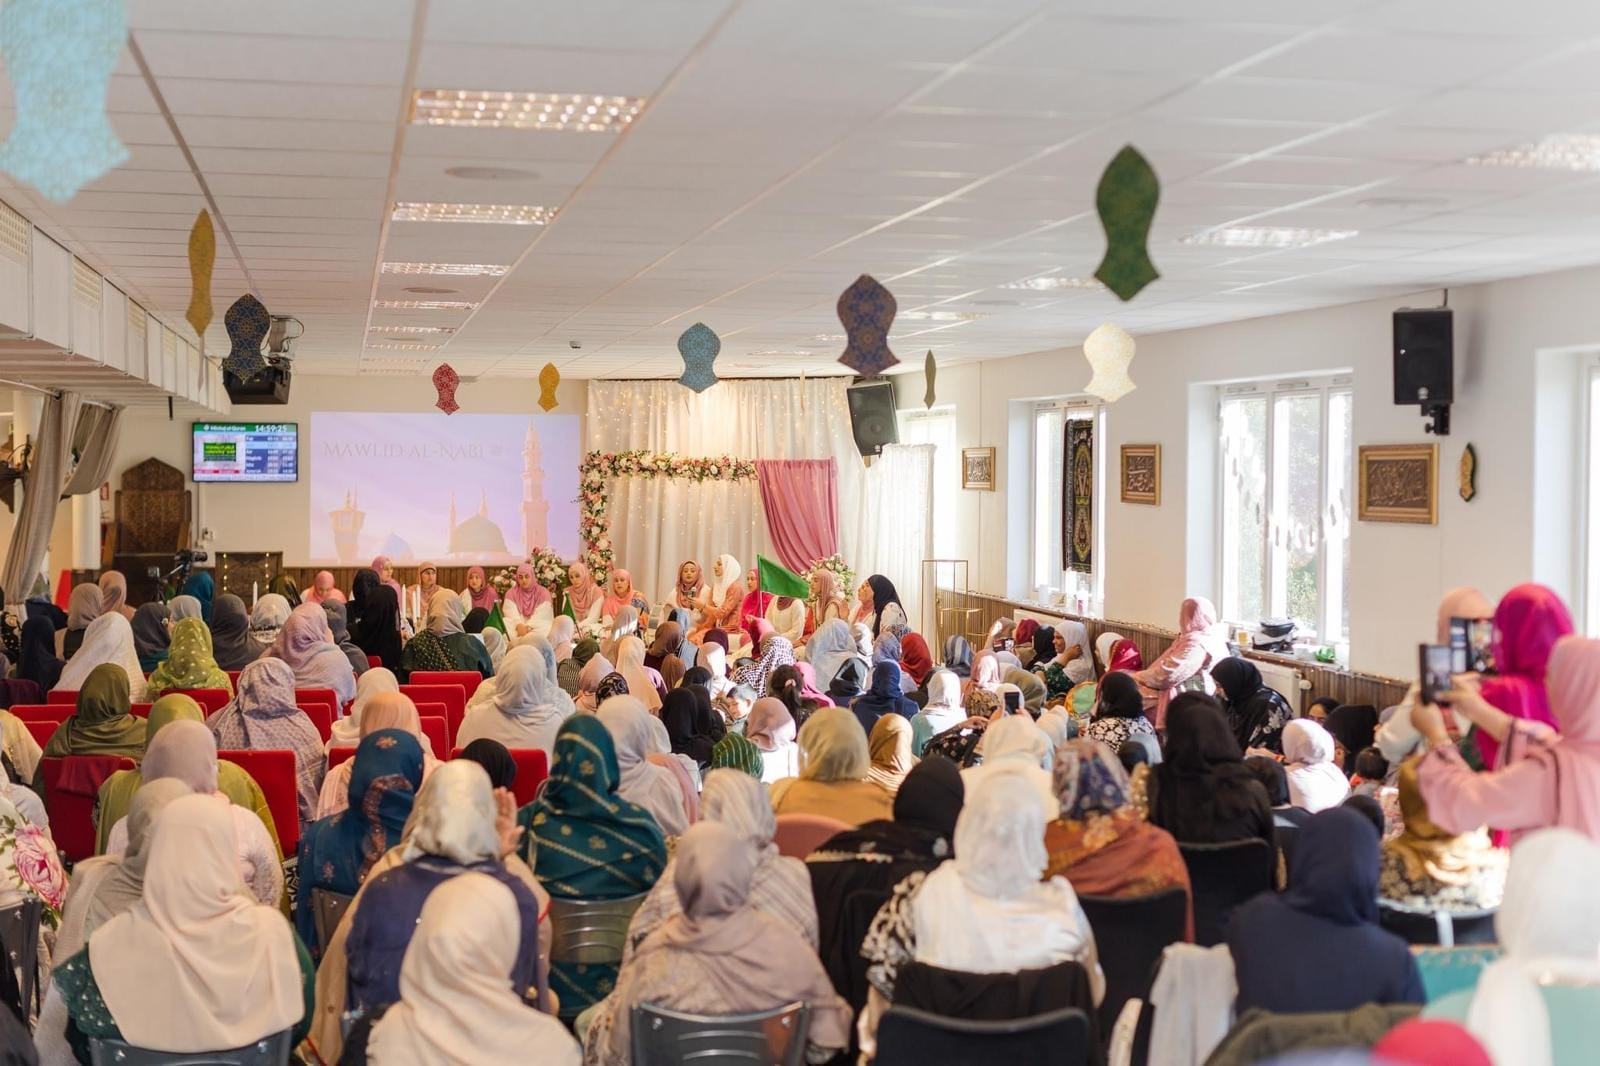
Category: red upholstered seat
[373,662]
[233,679]
[139,710]
[42,730]
[799,835]
[321,716]
[467,679]
[533,766]
[432,728]
[209,699]
[453,696]
[43,712]
[62,696]
[274,772]
[70,787]
[320,695]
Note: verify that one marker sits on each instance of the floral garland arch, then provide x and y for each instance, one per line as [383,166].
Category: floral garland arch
[594,521]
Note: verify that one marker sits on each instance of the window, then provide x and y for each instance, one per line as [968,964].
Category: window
[1284,513]
[938,428]
[1047,572]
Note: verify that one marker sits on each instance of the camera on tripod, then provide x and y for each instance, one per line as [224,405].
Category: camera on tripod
[189,556]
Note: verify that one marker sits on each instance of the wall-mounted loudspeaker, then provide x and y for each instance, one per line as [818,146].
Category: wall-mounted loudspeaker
[269,385]
[872,416]
[1424,362]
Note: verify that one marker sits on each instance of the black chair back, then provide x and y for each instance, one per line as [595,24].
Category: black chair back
[1222,876]
[774,1037]
[910,1037]
[1443,928]
[1132,934]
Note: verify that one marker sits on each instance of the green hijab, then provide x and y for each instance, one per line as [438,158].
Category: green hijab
[190,662]
[101,724]
[584,650]
[739,753]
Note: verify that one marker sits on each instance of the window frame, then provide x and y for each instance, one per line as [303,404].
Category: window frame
[940,491]
[1096,578]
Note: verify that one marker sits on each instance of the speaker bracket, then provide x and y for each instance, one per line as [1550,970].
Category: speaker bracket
[1440,415]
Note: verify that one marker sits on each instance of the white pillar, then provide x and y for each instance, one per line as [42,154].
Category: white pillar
[86,531]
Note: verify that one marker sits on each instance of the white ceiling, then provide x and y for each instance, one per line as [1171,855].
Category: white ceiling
[945,146]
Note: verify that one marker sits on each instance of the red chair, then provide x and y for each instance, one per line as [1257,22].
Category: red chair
[469,680]
[42,730]
[533,766]
[321,716]
[274,772]
[59,696]
[139,710]
[339,755]
[209,699]
[373,662]
[318,695]
[233,678]
[432,728]
[798,835]
[436,729]
[454,698]
[55,713]
[70,788]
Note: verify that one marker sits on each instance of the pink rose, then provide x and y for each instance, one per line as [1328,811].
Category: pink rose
[38,867]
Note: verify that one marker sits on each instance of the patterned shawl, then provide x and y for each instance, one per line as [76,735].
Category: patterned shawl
[190,663]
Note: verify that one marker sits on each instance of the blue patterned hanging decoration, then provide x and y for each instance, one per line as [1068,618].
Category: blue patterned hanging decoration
[247,323]
[866,309]
[699,346]
[60,55]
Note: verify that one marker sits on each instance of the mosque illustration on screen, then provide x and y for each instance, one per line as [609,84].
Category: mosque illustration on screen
[479,536]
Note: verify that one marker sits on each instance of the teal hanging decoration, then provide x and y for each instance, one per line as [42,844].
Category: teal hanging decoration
[699,347]
[60,55]
[929,368]
[1126,200]
[866,310]
[247,323]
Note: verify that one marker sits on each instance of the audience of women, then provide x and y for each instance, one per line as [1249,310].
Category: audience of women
[1256,711]
[771,728]
[107,640]
[987,910]
[1118,712]
[1315,781]
[833,781]
[644,683]
[152,635]
[942,711]
[649,785]
[306,644]
[444,644]
[83,607]
[1426,868]
[231,643]
[267,618]
[263,716]
[100,723]
[1202,793]
[1318,946]
[1186,664]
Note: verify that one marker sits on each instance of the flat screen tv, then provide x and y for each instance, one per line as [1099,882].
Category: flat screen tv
[246,451]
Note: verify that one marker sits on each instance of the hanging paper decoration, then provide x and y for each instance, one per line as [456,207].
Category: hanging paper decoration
[929,369]
[1126,200]
[445,379]
[202,257]
[247,323]
[549,378]
[60,55]
[699,346]
[1077,516]
[1109,350]
[866,309]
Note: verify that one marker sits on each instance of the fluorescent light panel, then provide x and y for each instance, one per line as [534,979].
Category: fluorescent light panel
[942,316]
[1560,151]
[411,329]
[1052,282]
[424,305]
[460,270]
[403,347]
[1267,237]
[562,112]
[503,214]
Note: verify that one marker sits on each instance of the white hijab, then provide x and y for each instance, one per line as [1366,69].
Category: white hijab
[630,664]
[446,613]
[1016,746]
[495,642]
[196,965]
[1315,784]
[1103,645]
[456,1002]
[1549,925]
[107,639]
[562,630]
[655,788]
[732,574]
[515,712]
[347,730]
[454,816]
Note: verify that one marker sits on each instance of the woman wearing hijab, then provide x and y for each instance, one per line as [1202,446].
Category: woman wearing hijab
[1535,1005]
[943,710]
[562,632]
[262,716]
[1528,622]
[1318,946]
[828,602]
[339,626]
[231,643]
[735,752]
[654,788]
[478,593]
[526,608]
[770,727]
[1426,868]
[267,618]
[985,911]
[1202,792]
[1016,746]
[623,594]
[114,594]
[787,616]
[1032,688]
[753,608]
[215,970]
[1256,711]
[376,630]
[884,697]
[1118,712]
[829,648]
[878,605]
[496,760]
[958,656]
[107,641]
[189,664]
[444,644]
[1353,728]
[614,629]
[38,662]
[1186,664]
[584,595]
[589,843]
[889,748]
[595,669]
[985,675]
[690,590]
[1315,782]
[285,585]
[496,644]
[663,654]
[348,731]
[643,683]
[152,635]
[724,595]
[336,852]
[101,724]
[718,954]
[775,651]
[306,645]
[520,710]
[834,763]
[202,587]
[916,663]
[456,1007]
[181,607]
[322,590]
[692,726]
[383,567]
[83,607]
[384,710]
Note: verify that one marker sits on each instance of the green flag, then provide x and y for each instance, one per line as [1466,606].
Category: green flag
[566,607]
[775,578]
[496,619]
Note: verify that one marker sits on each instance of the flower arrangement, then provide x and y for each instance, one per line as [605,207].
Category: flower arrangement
[594,523]
[836,564]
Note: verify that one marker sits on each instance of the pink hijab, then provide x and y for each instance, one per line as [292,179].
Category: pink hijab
[485,597]
[322,590]
[584,596]
[1200,646]
[754,604]
[302,636]
[380,563]
[985,673]
[529,599]
[614,603]
[1528,623]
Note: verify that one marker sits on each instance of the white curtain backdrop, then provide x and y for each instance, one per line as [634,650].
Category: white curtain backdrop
[658,523]
[893,529]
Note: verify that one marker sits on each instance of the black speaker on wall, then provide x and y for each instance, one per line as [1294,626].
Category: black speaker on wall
[1424,362]
[872,416]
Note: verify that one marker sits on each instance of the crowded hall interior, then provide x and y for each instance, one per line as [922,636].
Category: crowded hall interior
[777,532]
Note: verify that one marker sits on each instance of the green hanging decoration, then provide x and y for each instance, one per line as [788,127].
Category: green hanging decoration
[1126,200]
[928,370]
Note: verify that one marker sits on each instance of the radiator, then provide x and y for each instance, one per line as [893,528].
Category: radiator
[1287,682]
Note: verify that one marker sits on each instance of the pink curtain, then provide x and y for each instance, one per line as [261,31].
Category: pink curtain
[801,501]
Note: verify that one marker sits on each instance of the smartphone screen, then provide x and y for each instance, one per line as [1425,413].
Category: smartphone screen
[1013,702]
[1460,644]
[1434,671]
[1480,645]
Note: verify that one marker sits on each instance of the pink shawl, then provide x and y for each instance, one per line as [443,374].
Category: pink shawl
[680,774]
[1527,624]
[1200,646]
[529,599]
[584,594]
[614,602]
[485,597]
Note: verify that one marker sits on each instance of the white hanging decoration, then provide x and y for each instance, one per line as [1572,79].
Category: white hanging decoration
[1109,350]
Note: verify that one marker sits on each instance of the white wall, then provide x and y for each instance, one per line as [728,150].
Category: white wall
[1504,330]
[271,517]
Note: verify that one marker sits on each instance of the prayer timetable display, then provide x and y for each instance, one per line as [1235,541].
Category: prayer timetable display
[246,451]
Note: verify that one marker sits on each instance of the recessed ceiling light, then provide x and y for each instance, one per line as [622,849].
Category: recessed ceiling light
[572,112]
[411,329]
[941,316]
[503,214]
[492,173]
[782,352]
[1051,282]
[406,346]
[1560,151]
[424,305]
[1267,237]
[464,270]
